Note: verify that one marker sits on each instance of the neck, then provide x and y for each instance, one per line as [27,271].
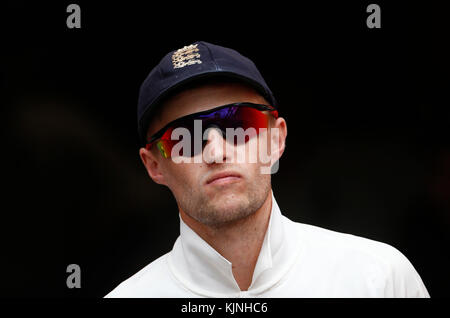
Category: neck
[239,242]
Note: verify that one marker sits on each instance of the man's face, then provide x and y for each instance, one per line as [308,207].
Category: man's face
[214,193]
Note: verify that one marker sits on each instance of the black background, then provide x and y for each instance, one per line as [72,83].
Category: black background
[367,152]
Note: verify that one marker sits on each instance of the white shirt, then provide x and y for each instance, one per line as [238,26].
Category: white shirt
[296,260]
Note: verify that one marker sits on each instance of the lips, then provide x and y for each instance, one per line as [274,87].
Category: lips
[223,177]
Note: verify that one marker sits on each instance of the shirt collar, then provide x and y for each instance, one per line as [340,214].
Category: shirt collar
[200,268]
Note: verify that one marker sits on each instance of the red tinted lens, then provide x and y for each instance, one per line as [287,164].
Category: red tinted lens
[250,120]
[247,117]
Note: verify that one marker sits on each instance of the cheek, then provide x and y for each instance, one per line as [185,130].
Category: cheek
[182,175]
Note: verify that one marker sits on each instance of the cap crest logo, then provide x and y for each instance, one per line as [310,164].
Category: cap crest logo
[186,56]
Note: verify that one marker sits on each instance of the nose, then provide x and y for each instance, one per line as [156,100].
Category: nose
[215,150]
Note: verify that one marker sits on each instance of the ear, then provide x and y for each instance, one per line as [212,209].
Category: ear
[278,139]
[152,164]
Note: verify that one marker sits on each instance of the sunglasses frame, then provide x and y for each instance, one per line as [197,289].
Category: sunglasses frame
[273,111]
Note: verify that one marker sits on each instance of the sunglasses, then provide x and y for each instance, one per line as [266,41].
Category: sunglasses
[236,115]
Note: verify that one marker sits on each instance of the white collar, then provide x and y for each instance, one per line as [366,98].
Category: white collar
[200,268]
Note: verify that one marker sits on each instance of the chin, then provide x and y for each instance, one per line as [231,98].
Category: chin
[231,207]
[217,206]
[230,196]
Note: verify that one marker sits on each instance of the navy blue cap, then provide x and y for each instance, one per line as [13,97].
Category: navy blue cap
[195,61]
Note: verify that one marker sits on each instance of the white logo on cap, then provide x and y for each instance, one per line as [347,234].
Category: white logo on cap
[186,56]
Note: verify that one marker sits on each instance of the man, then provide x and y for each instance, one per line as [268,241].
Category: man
[234,240]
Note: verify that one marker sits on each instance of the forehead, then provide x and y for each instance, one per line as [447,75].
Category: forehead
[203,97]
